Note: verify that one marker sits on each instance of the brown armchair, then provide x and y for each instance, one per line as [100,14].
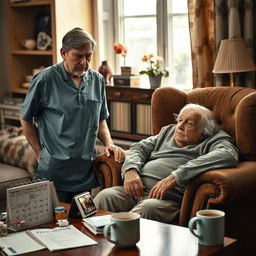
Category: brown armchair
[232,190]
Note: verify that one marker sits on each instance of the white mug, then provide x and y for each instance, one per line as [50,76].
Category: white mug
[210,227]
[124,229]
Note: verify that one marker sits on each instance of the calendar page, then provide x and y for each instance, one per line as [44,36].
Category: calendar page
[29,205]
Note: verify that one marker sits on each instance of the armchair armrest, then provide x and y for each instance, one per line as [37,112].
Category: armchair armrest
[218,187]
[107,170]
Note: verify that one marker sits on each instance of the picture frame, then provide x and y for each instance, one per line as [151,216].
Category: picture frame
[82,206]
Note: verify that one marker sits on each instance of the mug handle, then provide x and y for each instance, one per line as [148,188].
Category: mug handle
[106,231]
[191,224]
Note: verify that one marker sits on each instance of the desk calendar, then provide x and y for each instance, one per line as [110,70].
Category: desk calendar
[30,204]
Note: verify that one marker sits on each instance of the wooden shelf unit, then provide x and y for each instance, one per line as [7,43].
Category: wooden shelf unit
[22,19]
[22,16]
[130,112]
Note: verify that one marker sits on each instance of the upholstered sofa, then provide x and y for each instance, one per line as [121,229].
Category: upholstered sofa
[232,190]
[17,161]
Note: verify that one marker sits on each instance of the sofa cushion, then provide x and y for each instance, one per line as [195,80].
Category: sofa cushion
[10,176]
[15,150]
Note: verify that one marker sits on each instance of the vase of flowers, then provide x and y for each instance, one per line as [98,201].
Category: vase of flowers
[121,49]
[154,71]
[155,81]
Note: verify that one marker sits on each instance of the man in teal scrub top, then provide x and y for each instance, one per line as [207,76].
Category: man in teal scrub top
[67,102]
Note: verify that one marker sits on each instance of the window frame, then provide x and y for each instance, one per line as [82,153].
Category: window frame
[164,32]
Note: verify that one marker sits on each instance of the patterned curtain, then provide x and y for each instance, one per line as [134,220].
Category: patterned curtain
[211,21]
[201,23]
[236,19]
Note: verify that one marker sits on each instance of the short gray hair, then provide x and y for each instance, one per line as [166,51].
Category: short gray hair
[76,38]
[208,124]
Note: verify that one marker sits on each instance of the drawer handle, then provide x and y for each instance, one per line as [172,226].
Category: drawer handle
[145,96]
[118,94]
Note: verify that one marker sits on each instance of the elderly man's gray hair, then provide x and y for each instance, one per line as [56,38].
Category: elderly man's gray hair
[208,125]
[76,38]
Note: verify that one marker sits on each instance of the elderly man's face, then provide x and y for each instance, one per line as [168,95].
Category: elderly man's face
[187,128]
[76,61]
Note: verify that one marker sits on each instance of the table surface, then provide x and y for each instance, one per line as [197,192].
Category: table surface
[155,239]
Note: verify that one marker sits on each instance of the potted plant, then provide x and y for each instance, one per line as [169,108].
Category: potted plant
[121,49]
[154,71]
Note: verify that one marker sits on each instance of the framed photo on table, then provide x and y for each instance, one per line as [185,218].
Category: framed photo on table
[82,205]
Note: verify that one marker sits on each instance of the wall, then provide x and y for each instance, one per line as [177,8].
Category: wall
[82,16]
[4,82]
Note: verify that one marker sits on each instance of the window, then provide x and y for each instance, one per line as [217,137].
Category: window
[179,57]
[149,26]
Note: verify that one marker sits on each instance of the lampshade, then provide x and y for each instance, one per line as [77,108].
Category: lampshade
[233,56]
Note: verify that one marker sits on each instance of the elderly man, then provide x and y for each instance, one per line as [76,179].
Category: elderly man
[157,169]
[68,102]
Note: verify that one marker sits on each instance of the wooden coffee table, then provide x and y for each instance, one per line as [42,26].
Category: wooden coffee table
[156,239]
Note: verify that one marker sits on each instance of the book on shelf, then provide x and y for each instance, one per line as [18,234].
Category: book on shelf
[96,224]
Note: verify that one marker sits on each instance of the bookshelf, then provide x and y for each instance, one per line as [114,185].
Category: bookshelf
[22,18]
[130,112]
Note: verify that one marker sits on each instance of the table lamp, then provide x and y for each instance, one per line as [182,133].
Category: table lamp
[233,56]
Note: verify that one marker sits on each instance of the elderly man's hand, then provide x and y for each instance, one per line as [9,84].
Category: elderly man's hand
[159,190]
[119,153]
[133,185]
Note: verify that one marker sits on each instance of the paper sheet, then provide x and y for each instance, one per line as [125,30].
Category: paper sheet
[19,243]
[62,238]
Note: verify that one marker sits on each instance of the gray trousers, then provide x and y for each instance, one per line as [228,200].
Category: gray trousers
[114,199]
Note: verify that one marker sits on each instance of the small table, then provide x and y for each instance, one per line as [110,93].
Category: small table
[156,239]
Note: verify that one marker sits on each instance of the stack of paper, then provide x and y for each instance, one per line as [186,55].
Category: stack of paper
[96,224]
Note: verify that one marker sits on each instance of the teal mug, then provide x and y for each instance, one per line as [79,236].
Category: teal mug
[124,229]
[210,225]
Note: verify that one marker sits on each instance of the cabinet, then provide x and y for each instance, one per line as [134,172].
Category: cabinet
[10,115]
[130,112]
[22,17]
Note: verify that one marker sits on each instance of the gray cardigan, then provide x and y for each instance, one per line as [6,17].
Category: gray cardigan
[159,156]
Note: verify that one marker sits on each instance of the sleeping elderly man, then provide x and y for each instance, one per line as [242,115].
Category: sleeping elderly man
[157,169]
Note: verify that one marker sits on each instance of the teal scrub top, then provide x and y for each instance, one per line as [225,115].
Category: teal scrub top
[68,120]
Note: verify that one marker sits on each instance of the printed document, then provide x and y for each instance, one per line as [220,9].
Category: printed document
[19,243]
[61,238]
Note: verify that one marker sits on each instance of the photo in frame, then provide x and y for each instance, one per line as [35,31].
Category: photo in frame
[82,206]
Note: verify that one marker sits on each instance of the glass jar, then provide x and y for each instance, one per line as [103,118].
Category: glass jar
[60,213]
